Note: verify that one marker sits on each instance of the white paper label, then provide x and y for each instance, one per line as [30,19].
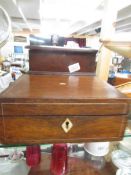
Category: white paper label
[74,67]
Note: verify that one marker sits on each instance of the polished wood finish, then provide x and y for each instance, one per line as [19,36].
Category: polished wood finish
[123,82]
[1,130]
[57,59]
[1,126]
[121,78]
[48,129]
[76,166]
[125,88]
[64,108]
[61,88]
[35,107]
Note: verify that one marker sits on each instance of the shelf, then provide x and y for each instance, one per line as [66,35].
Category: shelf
[121,47]
[76,166]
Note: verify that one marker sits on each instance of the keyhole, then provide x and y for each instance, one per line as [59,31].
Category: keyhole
[67,125]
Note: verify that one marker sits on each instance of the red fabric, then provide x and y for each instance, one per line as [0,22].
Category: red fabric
[33,155]
[59,159]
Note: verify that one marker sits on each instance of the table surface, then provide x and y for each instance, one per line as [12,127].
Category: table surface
[76,166]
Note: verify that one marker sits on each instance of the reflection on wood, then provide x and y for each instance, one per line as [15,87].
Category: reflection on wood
[76,166]
[123,84]
[125,88]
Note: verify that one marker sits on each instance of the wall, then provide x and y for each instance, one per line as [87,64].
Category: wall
[93,41]
[7,51]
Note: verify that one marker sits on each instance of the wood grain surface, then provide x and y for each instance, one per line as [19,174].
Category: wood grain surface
[48,129]
[60,88]
[76,166]
[35,107]
[1,130]
[57,59]
[97,109]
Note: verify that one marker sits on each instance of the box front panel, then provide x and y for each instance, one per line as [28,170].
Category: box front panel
[1,126]
[54,129]
[1,131]
[59,61]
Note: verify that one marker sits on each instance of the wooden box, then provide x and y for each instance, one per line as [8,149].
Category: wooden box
[49,59]
[61,108]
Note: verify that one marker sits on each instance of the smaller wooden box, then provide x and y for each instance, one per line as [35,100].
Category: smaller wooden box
[50,59]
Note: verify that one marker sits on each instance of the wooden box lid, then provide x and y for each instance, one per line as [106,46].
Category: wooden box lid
[62,95]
